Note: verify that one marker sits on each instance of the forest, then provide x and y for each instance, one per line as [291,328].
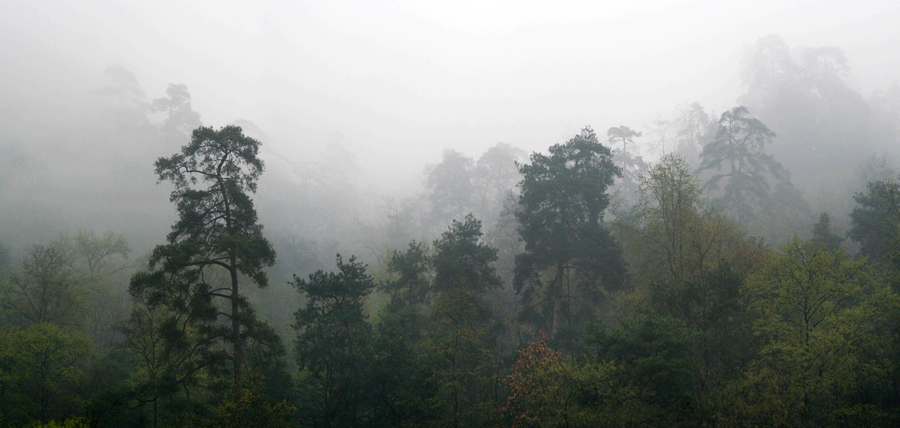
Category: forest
[729,269]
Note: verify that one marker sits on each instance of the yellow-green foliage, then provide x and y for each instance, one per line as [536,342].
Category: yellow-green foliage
[823,319]
[249,407]
[674,236]
[67,423]
[39,370]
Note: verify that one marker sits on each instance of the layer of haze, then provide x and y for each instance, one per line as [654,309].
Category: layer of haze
[398,82]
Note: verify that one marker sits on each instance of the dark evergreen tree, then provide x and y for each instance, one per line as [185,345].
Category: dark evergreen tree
[412,269]
[217,233]
[462,261]
[334,346]
[876,222]
[655,350]
[562,200]
[403,386]
[712,307]
[171,342]
[739,149]
[823,233]
[458,348]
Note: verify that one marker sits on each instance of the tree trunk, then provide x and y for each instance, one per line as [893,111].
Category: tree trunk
[557,299]
[238,354]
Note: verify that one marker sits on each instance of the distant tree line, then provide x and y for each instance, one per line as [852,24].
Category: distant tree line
[581,286]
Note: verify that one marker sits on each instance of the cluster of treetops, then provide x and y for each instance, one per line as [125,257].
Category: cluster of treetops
[589,289]
[664,314]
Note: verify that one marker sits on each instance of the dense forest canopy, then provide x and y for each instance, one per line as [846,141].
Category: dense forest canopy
[728,267]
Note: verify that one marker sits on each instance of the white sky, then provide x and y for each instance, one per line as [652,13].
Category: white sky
[403,80]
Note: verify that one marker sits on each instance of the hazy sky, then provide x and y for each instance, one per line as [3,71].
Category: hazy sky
[402,80]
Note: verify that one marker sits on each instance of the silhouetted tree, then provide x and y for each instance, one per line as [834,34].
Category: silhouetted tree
[631,164]
[874,222]
[458,348]
[739,150]
[217,230]
[334,346]
[562,200]
[823,233]
[180,119]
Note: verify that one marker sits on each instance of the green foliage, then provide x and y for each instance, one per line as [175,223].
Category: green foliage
[461,261]
[876,222]
[333,346]
[249,407]
[45,291]
[562,194]
[458,348]
[5,260]
[672,236]
[562,200]
[40,372]
[217,224]
[708,328]
[825,320]
[174,359]
[182,337]
[713,306]
[824,234]
[458,356]
[217,228]
[689,264]
[93,255]
[412,268]
[655,351]
[76,422]
[403,389]
[548,389]
[99,263]
[74,281]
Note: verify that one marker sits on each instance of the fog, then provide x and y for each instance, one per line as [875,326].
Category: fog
[472,213]
[390,84]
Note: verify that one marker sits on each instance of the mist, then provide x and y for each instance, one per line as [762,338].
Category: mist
[384,124]
[397,83]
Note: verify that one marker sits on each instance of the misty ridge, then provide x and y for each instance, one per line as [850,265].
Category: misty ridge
[703,268]
[819,124]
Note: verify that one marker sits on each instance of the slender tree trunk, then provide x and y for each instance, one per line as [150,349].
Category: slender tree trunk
[237,356]
[557,299]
